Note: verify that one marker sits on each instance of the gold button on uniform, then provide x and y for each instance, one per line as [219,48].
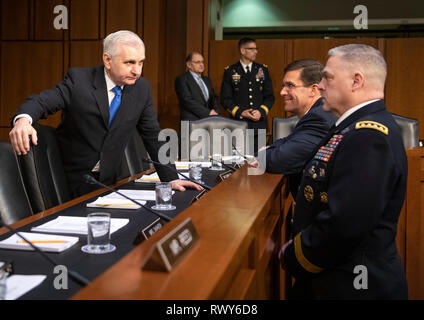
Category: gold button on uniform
[250,97]
[251,103]
[250,89]
[308,193]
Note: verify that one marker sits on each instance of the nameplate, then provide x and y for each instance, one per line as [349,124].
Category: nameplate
[172,248]
[148,231]
[223,176]
[198,196]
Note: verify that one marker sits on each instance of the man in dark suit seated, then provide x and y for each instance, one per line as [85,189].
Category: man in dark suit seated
[100,108]
[302,98]
[195,92]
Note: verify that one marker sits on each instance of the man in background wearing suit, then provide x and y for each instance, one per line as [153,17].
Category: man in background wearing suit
[303,99]
[246,90]
[100,107]
[195,92]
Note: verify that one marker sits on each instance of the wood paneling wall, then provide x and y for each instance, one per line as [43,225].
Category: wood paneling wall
[405,58]
[34,56]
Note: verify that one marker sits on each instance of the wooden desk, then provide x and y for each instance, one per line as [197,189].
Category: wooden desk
[239,224]
[410,237]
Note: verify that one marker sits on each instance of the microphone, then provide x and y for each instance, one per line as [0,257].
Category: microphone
[91,180]
[82,281]
[225,165]
[176,171]
[235,149]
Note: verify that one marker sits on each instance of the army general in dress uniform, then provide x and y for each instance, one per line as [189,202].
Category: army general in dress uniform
[246,90]
[352,190]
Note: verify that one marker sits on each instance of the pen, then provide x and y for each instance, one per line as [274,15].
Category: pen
[115,204]
[43,241]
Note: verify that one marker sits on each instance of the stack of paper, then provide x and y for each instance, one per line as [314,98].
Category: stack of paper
[153,177]
[45,242]
[184,165]
[114,203]
[148,195]
[18,285]
[75,225]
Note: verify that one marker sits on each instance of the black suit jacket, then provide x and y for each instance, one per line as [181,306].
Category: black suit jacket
[290,154]
[193,105]
[84,134]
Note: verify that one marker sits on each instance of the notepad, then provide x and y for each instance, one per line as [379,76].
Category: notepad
[114,203]
[45,242]
[18,285]
[184,165]
[153,177]
[75,225]
[148,195]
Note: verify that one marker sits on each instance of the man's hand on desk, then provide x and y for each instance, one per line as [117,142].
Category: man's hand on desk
[181,185]
[254,163]
[19,136]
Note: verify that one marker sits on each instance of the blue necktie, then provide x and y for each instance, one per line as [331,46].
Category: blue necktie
[114,105]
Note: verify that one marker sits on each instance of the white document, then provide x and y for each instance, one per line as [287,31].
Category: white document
[75,225]
[236,159]
[45,242]
[153,177]
[114,203]
[148,195]
[18,285]
[184,165]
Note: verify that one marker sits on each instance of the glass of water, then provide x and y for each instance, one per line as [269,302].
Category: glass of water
[196,171]
[163,192]
[98,236]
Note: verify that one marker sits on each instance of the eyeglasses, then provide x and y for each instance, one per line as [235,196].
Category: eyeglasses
[197,62]
[291,86]
[253,48]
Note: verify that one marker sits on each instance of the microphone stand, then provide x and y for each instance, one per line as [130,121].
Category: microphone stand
[225,165]
[91,180]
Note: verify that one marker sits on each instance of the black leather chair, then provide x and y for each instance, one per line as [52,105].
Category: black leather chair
[233,133]
[409,131]
[282,127]
[42,171]
[14,202]
[134,152]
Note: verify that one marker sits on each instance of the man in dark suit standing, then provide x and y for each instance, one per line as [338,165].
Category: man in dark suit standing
[100,108]
[195,92]
[246,90]
[303,99]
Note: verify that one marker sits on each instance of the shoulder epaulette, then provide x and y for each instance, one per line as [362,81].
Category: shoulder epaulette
[226,67]
[265,65]
[372,125]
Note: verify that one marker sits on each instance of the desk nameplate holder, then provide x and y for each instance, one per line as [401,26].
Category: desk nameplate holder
[198,196]
[148,231]
[223,176]
[172,248]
